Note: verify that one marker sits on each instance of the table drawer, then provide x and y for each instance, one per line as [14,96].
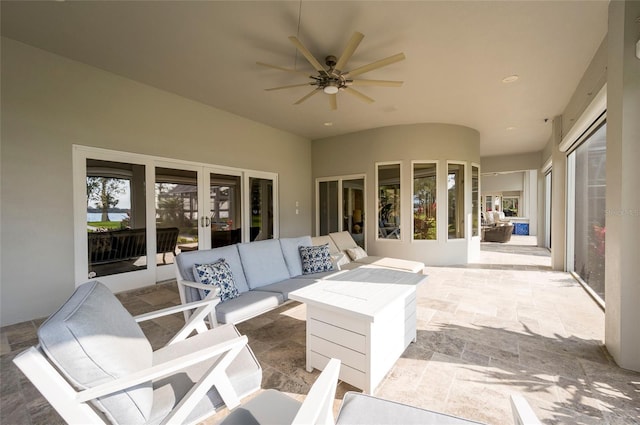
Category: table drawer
[338,335]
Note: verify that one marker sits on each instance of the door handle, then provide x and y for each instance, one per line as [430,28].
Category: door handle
[208,221]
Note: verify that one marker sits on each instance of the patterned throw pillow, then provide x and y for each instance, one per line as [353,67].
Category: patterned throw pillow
[315,259]
[218,274]
[356,253]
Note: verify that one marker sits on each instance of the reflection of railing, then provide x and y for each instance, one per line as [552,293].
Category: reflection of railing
[120,245]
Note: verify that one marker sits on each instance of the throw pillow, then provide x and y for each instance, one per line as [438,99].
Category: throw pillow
[315,259]
[356,253]
[218,274]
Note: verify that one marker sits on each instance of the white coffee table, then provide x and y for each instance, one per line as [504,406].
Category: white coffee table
[365,317]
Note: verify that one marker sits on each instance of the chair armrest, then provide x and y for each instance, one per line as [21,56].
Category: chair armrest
[523,414]
[198,285]
[317,407]
[177,309]
[196,320]
[228,348]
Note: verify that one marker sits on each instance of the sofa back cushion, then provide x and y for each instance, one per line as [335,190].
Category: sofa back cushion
[343,240]
[263,262]
[291,254]
[326,239]
[92,339]
[186,260]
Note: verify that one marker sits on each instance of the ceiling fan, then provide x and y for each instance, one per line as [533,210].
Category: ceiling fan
[334,78]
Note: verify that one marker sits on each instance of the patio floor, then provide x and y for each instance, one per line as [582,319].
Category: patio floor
[506,324]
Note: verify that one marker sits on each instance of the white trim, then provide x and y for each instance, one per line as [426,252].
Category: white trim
[586,120]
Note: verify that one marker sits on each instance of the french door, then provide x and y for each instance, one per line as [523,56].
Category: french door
[340,206]
[139,212]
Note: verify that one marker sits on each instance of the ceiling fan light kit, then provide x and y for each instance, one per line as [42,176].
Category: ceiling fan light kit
[333,79]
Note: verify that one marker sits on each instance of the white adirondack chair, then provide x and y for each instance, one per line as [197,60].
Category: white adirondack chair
[94,364]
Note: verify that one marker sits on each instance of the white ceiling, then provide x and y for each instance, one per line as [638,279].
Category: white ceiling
[457,55]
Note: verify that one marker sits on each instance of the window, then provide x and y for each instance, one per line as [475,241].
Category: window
[455,194]
[510,206]
[388,177]
[424,201]
[586,210]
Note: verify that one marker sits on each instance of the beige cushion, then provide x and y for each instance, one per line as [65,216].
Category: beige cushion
[393,263]
[356,253]
[321,240]
[343,240]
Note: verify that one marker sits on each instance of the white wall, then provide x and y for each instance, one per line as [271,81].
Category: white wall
[50,103]
[357,153]
[503,182]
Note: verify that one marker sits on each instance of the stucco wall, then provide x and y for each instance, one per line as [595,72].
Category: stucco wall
[50,103]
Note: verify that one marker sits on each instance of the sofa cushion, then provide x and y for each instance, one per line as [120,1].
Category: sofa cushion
[321,240]
[343,240]
[291,254]
[393,263]
[315,259]
[92,339]
[356,253]
[186,260]
[218,274]
[247,305]
[287,286]
[263,262]
[358,408]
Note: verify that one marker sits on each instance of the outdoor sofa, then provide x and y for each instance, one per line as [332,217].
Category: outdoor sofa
[265,272]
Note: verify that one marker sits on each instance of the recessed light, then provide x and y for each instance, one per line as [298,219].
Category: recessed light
[328,124]
[510,128]
[510,79]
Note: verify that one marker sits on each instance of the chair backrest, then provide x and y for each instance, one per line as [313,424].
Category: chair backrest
[92,339]
[166,239]
[317,408]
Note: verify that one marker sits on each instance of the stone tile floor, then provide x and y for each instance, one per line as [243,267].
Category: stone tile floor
[502,325]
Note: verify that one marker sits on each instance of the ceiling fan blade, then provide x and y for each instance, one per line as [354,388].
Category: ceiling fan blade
[333,102]
[381,83]
[359,95]
[375,65]
[306,74]
[288,87]
[353,44]
[307,96]
[307,54]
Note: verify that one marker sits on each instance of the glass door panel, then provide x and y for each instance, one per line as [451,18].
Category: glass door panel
[475,200]
[455,189]
[261,221]
[353,209]
[388,176]
[328,207]
[116,217]
[176,203]
[225,210]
